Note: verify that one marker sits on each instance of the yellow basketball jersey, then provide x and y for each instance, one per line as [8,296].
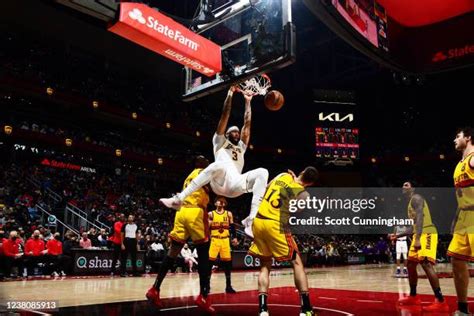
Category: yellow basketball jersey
[428,226]
[199,197]
[277,196]
[464,183]
[220,224]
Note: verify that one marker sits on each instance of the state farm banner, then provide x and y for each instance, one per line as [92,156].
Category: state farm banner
[161,34]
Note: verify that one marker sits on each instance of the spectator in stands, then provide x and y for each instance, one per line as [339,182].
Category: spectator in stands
[116,240]
[92,235]
[13,257]
[70,242]
[102,238]
[2,254]
[85,242]
[55,255]
[188,257]
[34,252]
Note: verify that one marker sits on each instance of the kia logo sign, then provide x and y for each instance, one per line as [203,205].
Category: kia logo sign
[336,117]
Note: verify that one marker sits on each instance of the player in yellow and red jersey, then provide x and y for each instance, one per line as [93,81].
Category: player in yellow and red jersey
[461,248]
[222,232]
[190,222]
[272,240]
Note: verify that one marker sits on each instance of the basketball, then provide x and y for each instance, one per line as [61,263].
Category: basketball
[274,100]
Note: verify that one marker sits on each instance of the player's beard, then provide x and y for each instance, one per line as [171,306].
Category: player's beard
[234,141]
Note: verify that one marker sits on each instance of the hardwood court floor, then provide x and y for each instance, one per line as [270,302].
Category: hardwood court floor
[329,284]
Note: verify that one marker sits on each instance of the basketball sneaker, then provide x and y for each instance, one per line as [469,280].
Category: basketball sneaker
[307,313]
[405,271]
[172,202]
[205,304]
[397,274]
[153,296]
[410,300]
[459,313]
[264,313]
[230,290]
[437,306]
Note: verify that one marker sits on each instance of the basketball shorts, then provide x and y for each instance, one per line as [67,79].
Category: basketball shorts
[429,245]
[190,222]
[269,241]
[220,247]
[230,183]
[462,244]
[401,249]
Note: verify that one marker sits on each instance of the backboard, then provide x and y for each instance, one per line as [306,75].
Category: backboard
[255,36]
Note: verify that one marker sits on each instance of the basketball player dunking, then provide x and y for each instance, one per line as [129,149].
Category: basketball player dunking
[461,248]
[225,173]
[422,250]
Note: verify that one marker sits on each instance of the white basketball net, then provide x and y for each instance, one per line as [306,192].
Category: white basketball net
[257,85]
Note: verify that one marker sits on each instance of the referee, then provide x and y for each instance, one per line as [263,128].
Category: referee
[129,245]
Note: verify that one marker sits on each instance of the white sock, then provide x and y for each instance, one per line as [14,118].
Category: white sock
[259,177]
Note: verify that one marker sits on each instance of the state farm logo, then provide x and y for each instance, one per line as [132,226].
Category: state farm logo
[137,15]
[153,23]
[453,53]
[439,56]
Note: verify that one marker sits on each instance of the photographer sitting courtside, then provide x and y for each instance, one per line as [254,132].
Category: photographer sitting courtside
[129,245]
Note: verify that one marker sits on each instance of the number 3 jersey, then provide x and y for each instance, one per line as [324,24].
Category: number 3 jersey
[226,152]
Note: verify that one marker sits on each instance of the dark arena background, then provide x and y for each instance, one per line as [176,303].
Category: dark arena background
[107,106]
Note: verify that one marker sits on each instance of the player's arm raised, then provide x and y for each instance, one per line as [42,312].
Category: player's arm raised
[225,112]
[247,120]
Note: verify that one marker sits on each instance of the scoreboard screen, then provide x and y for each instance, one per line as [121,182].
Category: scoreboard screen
[335,142]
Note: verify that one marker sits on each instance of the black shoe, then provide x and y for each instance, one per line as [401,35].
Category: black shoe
[123,275]
[230,290]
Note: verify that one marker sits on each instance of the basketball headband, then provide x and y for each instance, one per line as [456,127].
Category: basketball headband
[232,129]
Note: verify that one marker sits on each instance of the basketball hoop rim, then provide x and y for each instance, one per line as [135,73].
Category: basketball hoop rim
[256,86]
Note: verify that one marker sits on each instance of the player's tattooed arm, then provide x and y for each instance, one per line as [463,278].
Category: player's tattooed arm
[247,120]
[417,203]
[225,112]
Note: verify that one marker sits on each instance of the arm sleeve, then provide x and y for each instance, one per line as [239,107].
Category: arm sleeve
[217,142]
[232,231]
